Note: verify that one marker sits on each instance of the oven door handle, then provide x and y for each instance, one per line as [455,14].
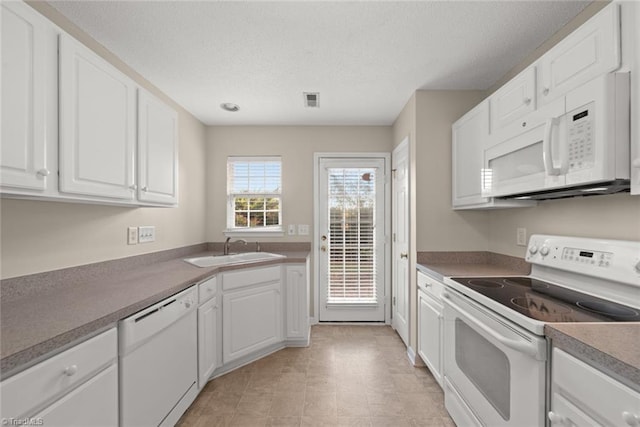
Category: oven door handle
[529,348]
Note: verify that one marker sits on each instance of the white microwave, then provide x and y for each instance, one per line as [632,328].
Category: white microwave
[575,145]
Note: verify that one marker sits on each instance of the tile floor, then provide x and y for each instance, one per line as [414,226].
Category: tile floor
[349,376]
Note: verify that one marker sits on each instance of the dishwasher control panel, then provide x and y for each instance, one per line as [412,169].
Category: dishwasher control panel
[147,322]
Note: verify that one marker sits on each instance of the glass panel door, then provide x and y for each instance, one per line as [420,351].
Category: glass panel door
[352,239]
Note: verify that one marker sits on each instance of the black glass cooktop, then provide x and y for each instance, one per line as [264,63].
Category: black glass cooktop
[548,303]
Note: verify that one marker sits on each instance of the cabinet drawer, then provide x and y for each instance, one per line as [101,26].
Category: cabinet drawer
[49,379]
[430,286]
[207,290]
[241,278]
[586,387]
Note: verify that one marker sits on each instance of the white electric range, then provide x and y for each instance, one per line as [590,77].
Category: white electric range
[495,350]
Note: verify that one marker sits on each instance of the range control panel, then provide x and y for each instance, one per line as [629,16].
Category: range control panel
[596,258]
[613,260]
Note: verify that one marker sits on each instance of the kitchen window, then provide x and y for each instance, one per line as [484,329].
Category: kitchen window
[254,195]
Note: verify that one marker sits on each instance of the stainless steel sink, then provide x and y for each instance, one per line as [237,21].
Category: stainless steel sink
[232,259]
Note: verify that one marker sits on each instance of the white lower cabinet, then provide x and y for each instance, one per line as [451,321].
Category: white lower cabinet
[78,387]
[209,330]
[582,395]
[297,303]
[252,311]
[430,325]
[92,404]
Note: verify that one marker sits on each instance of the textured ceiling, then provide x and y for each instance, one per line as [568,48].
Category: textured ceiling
[365,58]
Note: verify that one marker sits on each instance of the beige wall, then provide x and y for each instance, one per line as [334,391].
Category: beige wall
[39,236]
[440,228]
[426,119]
[296,145]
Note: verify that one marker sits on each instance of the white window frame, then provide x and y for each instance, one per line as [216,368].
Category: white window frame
[233,231]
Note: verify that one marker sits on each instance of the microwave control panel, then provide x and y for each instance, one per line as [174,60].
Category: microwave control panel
[581,137]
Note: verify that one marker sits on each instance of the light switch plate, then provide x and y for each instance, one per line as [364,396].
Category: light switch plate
[292,230]
[132,235]
[303,229]
[521,238]
[146,234]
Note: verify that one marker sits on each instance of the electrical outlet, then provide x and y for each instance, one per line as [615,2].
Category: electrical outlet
[146,234]
[292,229]
[132,235]
[303,229]
[521,238]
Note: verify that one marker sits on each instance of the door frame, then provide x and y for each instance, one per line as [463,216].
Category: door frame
[387,226]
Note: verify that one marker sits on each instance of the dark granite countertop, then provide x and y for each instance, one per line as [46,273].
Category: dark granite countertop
[612,347]
[37,324]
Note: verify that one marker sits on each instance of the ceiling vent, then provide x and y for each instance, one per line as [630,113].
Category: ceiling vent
[312,99]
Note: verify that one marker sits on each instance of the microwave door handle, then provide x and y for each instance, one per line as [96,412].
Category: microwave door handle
[547,143]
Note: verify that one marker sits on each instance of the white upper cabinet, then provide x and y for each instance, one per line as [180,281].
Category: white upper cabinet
[469,136]
[590,51]
[97,125]
[514,100]
[157,150]
[26,87]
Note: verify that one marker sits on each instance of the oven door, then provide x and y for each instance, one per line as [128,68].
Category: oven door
[494,370]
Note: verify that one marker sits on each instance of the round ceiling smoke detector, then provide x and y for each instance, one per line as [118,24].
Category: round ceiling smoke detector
[230,106]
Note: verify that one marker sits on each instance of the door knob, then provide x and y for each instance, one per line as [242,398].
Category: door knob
[323,238]
[404,255]
[323,248]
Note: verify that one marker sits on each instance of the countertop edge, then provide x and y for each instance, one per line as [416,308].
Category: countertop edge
[616,368]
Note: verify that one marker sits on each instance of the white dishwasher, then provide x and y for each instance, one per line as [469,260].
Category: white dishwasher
[158,354]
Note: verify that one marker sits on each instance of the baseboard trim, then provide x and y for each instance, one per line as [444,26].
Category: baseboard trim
[413,357]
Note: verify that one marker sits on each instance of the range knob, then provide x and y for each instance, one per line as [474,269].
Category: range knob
[533,249]
[544,251]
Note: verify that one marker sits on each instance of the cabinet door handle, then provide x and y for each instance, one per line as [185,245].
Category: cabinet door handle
[145,189]
[71,370]
[555,418]
[545,91]
[404,255]
[527,101]
[133,187]
[43,172]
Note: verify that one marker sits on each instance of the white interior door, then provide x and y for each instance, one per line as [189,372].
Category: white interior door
[400,240]
[351,238]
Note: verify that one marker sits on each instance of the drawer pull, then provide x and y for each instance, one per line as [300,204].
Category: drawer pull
[631,419]
[71,370]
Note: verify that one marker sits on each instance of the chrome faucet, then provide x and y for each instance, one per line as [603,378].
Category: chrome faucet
[228,243]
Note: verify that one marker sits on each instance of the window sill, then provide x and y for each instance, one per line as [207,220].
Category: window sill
[253,233]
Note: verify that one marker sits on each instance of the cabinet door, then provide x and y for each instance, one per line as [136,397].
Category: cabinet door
[25,74]
[95,403]
[157,150]
[208,324]
[297,308]
[469,134]
[430,334]
[514,100]
[252,320]
[590,51]
[97,125]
